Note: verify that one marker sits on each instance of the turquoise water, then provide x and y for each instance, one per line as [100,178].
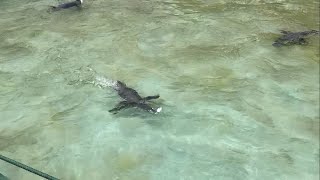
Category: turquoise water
[234,107]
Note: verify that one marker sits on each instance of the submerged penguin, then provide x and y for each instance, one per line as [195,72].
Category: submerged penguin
[132,99]
[76,3]
[290,38]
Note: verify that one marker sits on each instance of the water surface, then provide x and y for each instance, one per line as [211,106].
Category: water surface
[234,107]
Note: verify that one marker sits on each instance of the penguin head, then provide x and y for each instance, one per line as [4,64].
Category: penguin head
[81,1]
[119,86]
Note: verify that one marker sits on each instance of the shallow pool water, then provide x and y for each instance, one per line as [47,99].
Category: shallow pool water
[234,106]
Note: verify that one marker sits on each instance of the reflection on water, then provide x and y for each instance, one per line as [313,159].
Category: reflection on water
[234,106]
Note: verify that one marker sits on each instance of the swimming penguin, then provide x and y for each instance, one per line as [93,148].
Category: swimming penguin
[132,99]
[67,5]
[290,38]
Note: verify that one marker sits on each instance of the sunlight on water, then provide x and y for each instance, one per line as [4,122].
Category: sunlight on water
[234,106]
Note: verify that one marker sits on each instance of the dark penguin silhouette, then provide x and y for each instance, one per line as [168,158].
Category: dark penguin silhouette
[132,99]
[76,3]
[291,38]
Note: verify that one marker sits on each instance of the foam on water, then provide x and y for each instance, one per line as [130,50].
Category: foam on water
[105,82]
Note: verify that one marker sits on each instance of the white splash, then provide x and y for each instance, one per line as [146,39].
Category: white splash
[159,110]
[103,82]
